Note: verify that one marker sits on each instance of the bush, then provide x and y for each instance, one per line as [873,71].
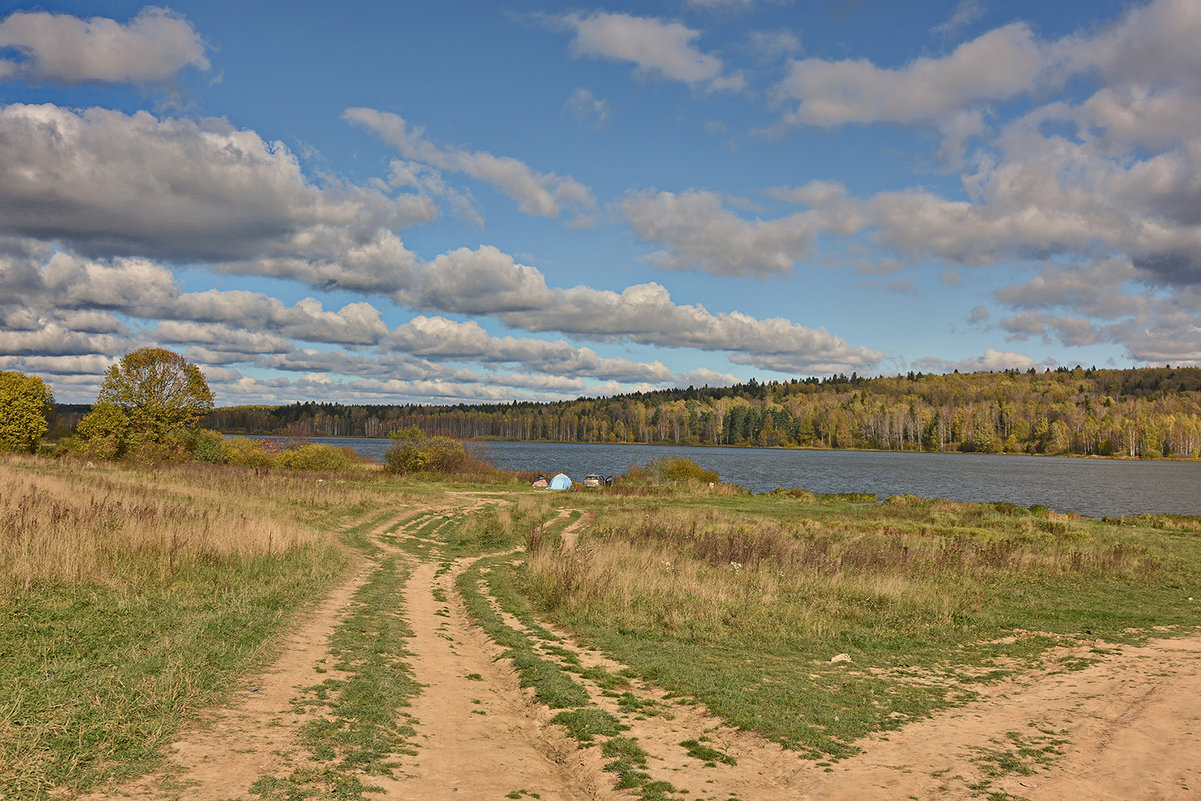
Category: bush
[106,431]
[414,452]
[249,452]
[209,448]
[326,458]
[682,469]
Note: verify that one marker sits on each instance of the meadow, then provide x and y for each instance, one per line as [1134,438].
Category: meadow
[133,598]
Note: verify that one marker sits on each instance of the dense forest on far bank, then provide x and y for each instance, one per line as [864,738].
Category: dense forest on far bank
[1137,413]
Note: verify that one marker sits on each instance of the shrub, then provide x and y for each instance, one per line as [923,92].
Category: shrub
[315,456]
[106,430]
[209,448]
[248,452]
[682,469]
[669,470]
[413,452]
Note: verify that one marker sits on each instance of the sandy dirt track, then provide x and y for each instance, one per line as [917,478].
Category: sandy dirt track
[1125,727]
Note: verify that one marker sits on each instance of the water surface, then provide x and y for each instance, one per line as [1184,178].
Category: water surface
[1085,486]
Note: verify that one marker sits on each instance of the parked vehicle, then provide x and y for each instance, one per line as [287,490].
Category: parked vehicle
[593,480]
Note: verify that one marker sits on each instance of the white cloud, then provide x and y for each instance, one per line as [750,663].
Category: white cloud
[704,377]
[1153,44]
[539,194]
[468,341]
[966,12]
[489,282]
[59,48]
[172,189]
[54,340]
[990,361]
[588,109]
[700,233]
[833,93]
[774,44]
[658,48]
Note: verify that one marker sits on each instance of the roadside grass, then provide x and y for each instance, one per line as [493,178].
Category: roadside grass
[742,602]
[130,599]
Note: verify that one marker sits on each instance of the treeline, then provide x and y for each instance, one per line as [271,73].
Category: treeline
[1138,413]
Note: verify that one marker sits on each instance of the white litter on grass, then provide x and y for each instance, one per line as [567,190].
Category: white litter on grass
[842,658]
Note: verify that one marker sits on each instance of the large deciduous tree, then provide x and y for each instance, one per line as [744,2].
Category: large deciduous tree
[25,403]
[156,391]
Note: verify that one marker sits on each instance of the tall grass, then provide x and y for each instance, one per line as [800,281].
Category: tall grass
[714,574]
[87,527]
[130,597]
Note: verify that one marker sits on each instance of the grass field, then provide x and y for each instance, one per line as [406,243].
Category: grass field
[132,598]
[742,602]
[129,598]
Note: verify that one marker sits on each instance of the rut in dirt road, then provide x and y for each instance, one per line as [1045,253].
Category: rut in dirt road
[478,736]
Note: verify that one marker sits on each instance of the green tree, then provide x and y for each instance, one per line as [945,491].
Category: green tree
[25,403]
[106,429]
[158,391]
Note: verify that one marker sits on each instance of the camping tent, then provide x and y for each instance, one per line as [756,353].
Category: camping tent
[560,482]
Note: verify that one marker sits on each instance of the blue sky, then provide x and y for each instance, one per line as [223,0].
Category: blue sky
[482,201]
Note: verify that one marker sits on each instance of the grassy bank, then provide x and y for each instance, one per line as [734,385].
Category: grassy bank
[743,602]
[130,599]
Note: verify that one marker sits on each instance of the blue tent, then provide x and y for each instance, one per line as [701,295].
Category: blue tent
[560,482]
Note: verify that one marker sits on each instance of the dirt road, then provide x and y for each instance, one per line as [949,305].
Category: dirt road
[1125,727]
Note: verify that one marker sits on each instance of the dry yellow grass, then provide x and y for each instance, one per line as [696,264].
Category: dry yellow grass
[712,573]
[77,524]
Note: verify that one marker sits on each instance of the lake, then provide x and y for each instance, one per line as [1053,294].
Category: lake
[1085,486]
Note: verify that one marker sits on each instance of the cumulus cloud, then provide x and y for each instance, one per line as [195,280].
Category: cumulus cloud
[468,341]
[539,194]
[1106,302]
[1150,45]
[487,281]
[990,361]
[59,48]
[832,93]
[659,49]
[173,189]
[704,377]
[700,233]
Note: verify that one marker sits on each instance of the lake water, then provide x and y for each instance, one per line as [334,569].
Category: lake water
[1085,486]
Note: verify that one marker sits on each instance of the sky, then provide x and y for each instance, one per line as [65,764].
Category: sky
[466,202]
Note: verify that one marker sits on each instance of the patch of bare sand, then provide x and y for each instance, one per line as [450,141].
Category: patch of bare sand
[478,734]
[1132,725]
[571,534]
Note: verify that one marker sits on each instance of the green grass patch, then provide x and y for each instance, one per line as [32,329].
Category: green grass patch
[587,723]
[706,753]
[97,679]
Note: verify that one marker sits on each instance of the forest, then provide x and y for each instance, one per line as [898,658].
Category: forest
[1134,413]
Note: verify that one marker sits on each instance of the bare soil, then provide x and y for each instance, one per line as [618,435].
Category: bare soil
[1127,726]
